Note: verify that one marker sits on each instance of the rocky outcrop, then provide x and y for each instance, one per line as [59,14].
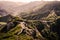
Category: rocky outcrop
[31,32]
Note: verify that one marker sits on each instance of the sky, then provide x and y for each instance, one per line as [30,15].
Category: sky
[24,0]
[20,0]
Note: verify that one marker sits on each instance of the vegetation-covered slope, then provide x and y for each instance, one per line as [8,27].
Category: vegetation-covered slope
[22,29]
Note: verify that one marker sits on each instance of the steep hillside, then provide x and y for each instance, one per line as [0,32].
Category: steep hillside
[44,11]
[39,10]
